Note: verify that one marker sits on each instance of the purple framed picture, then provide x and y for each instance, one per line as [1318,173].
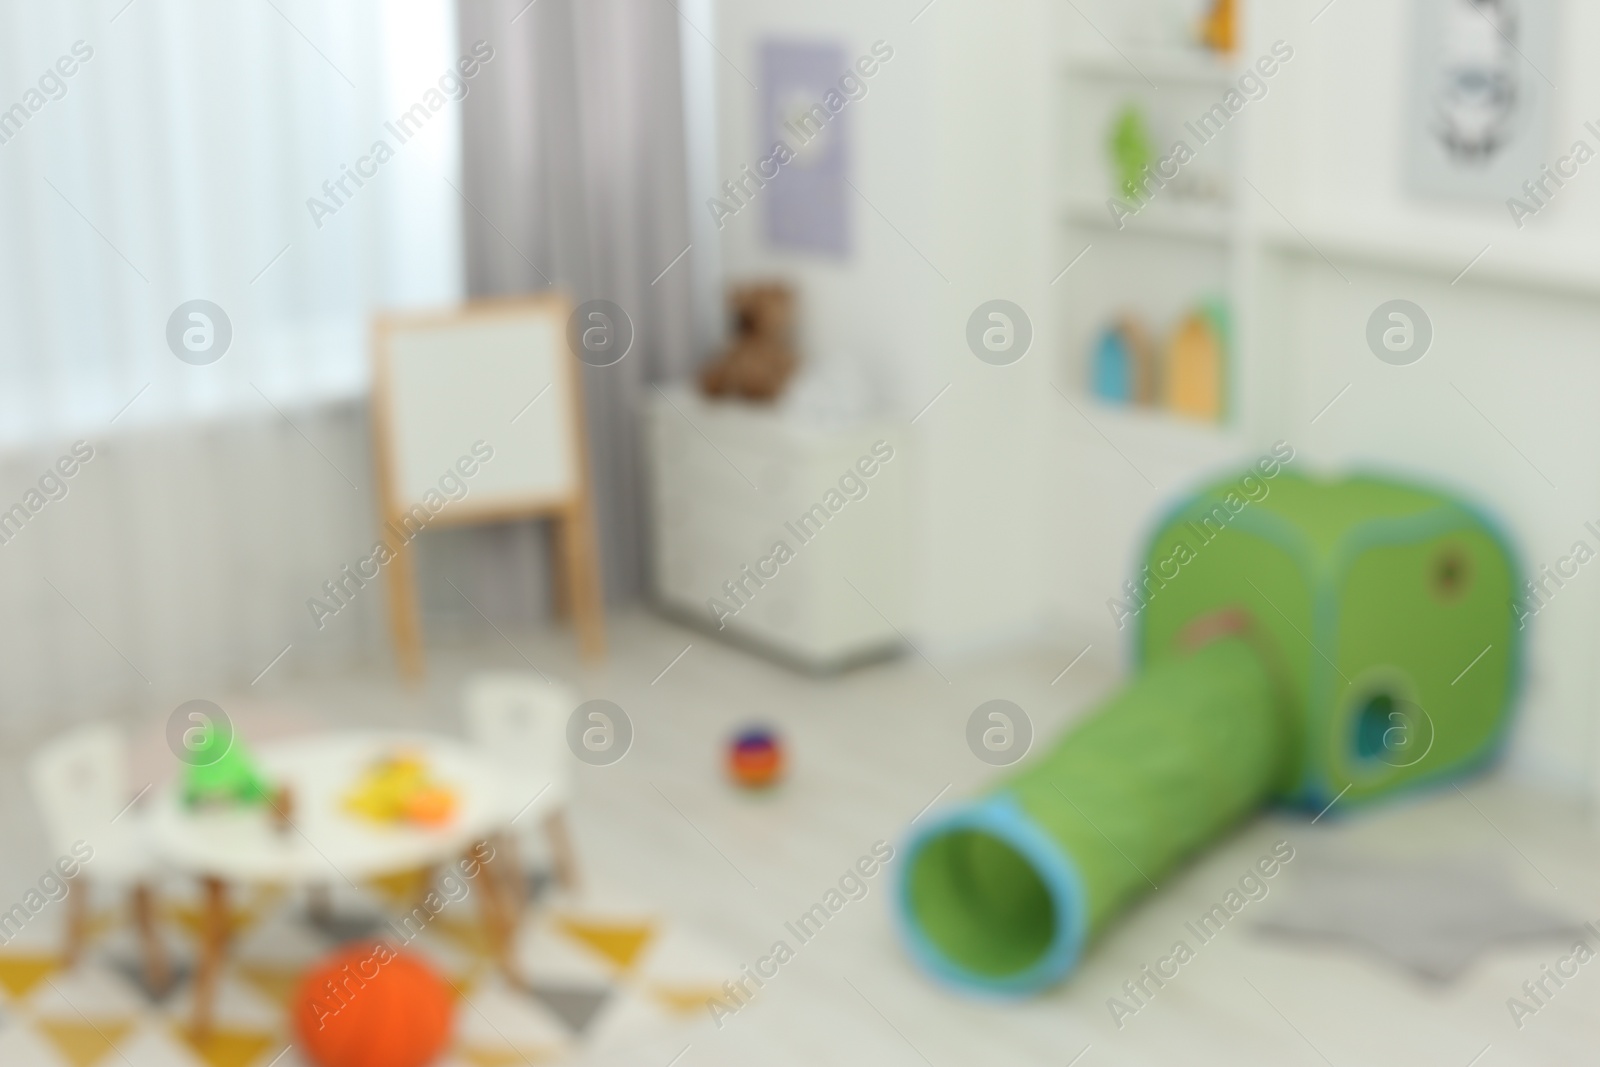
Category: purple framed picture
[806,206]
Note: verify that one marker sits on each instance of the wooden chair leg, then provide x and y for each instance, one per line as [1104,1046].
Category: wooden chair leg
[422,884]
[583,578]
[516,884]
[213,945]
[405,616]
[499,922]
[562,855]
[157,971]
[319,903]
[77,919]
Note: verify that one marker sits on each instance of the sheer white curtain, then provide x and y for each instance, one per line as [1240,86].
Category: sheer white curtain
[162,151]
[175,163]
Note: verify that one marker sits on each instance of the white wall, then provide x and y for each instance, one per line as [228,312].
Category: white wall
[950,167]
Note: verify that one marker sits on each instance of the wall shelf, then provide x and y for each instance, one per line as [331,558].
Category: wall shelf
[1157,422]
[1527,259]
[1159,67]
[1158,265]
[1168,450]
[1182,220]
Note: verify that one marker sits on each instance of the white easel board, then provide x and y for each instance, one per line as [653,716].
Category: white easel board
[497,373]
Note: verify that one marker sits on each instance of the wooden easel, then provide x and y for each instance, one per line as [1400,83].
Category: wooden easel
[460,339]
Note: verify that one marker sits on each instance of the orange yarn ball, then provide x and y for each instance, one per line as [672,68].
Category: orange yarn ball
[368,1005]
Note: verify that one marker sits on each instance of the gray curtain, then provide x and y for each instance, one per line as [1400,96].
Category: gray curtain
[575,178]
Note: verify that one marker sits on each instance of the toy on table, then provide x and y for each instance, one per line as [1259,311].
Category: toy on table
[370,1005]
[755,758]
[760,358]
[400,788]
[1123,368]
[1132,151]
[221,773]
[1300,641]
[1196,363]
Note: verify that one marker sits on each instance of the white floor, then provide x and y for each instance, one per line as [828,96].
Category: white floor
[869,751]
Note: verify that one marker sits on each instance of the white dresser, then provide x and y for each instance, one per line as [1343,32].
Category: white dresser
[732,482]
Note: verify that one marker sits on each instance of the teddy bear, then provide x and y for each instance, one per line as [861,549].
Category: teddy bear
[760,357]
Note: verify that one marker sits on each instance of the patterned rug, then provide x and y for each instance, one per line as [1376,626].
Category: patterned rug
[603,976]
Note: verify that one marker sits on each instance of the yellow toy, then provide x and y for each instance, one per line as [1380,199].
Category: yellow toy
[398,788]
[1196,364]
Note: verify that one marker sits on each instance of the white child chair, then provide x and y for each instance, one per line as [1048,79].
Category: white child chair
[80,783]
[520,722]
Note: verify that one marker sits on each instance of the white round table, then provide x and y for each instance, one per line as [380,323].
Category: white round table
[323,843]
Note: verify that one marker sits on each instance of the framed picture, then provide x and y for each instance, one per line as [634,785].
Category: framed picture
[1479,119]
[807,207]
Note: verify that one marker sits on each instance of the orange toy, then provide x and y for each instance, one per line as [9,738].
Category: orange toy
[431,807]
[368,1005]
[1219,27]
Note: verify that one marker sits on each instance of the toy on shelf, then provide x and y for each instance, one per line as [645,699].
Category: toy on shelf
[1124,364]
[760,359]
[400,788]
[1300,641]
[1220,26]
[755,758]
[1132,150]
[1196,363]
[1188,378]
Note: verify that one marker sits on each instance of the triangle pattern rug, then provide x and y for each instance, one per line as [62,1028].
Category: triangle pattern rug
[596,978]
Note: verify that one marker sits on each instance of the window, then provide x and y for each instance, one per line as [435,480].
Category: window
[178,150]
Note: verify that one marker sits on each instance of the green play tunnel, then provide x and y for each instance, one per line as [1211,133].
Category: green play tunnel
[1007,891]
[1304,648]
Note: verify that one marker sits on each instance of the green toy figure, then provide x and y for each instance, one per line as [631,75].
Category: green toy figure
[1131,151]
[220,771]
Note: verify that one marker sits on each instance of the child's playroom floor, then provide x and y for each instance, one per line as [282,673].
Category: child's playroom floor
[870,751]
